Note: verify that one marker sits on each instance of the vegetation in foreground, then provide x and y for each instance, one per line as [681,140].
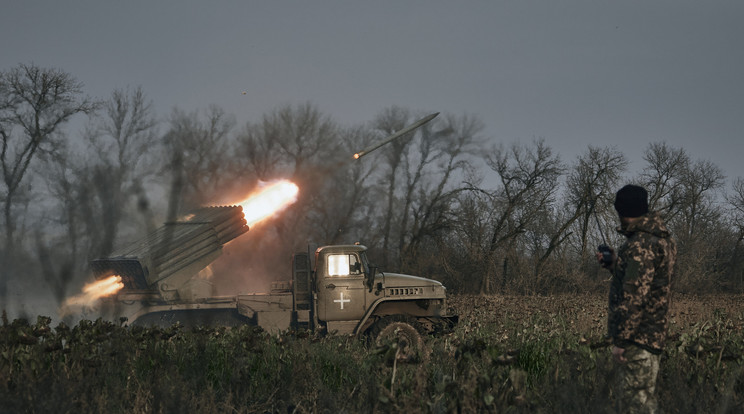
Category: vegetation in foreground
[509,354]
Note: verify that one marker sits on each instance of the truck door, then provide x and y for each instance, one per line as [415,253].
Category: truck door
[341,291]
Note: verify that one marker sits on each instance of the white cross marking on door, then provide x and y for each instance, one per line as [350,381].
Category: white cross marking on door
[342,300]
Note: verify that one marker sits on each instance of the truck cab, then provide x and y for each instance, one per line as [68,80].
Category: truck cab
[351,296]
[340,273]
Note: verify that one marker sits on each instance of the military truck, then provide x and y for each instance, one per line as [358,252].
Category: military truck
[336,291]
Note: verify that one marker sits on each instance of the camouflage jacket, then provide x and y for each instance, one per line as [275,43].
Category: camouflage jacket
[640,288]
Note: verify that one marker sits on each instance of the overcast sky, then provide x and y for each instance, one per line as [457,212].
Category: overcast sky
[607,73]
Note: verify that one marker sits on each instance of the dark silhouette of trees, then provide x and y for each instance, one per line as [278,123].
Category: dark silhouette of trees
[590,188]
[432,168]
[662,177]
[34,103]
[735,200]
[699,227]
[301,144]
[198,148]
[686,192]
[511,218]
[388,122]
[92,194]
[124,140]
[528,177]
[342,212]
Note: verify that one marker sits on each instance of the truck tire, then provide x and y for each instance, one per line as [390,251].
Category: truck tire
[402,331]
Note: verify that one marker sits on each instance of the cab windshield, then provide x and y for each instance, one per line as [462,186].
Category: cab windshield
[344,265]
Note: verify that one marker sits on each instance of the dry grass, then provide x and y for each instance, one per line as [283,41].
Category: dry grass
[587,313]
[508,354]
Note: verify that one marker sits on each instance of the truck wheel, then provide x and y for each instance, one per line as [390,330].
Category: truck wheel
[403,332]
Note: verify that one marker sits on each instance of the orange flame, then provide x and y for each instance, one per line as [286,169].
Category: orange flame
[94,291]
[269,200]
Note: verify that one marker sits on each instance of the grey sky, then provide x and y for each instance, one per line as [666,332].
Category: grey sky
[621,73]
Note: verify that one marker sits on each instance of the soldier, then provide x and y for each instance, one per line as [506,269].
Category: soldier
[639,298]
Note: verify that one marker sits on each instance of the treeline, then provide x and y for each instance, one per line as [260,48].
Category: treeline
[446,202]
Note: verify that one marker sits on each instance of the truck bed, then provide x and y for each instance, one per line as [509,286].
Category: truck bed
[271,311]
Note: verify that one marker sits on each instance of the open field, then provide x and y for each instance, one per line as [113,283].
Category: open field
[508,354]
[701,368]
[587,314]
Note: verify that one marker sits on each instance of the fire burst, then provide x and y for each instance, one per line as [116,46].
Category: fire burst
[94,291]
[269,200]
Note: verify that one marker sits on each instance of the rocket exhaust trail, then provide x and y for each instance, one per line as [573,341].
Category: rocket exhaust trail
[398,134]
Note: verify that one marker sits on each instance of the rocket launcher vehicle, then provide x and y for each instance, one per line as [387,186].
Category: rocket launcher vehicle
[169,257]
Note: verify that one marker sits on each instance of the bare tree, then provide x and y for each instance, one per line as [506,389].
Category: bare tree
[34,103]
[201,145]
[528,182]
[342,209]
[389,121]
[466,258]
[686,194]
[123,140]
[92,191]
[442,152]
[59,254]
[661,177]
[288,141]
[303,134]
[302,144]
[589,189]
[699,183]
[735,200]
[258,154]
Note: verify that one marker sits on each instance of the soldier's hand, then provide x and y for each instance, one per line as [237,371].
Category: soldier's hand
[605,256]
[617,353]
[598,255]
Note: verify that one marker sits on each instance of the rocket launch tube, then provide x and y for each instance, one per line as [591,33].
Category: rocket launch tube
[194,256]
[175,246]
[398,134]
[172,260]
[226,229]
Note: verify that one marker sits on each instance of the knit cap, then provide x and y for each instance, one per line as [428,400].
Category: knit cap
[631,201]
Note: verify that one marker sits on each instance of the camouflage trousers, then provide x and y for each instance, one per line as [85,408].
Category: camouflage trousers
[637,381]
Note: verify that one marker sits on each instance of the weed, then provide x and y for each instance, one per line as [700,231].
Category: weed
[531,355]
